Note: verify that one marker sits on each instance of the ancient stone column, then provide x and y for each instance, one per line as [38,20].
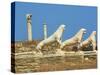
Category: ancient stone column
[45,31]
[29,26]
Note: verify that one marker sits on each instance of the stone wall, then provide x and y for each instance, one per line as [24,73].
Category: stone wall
[24,59]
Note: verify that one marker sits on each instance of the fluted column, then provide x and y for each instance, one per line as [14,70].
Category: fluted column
[45,30]
[29,26]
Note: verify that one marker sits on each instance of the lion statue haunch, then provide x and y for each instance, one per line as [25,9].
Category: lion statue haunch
[91,40]
[55,37]
[74,40]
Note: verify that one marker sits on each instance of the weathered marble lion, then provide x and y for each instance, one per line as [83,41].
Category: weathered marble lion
[91,40]
[55,37]
[77,39]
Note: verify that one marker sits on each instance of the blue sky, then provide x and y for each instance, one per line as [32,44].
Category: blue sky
[74,17]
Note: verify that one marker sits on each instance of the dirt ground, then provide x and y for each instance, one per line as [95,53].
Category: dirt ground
[52,64]
[30,64]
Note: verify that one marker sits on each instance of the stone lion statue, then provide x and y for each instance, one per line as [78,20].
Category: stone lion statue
[55,37]
[77,39]
[91,40]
